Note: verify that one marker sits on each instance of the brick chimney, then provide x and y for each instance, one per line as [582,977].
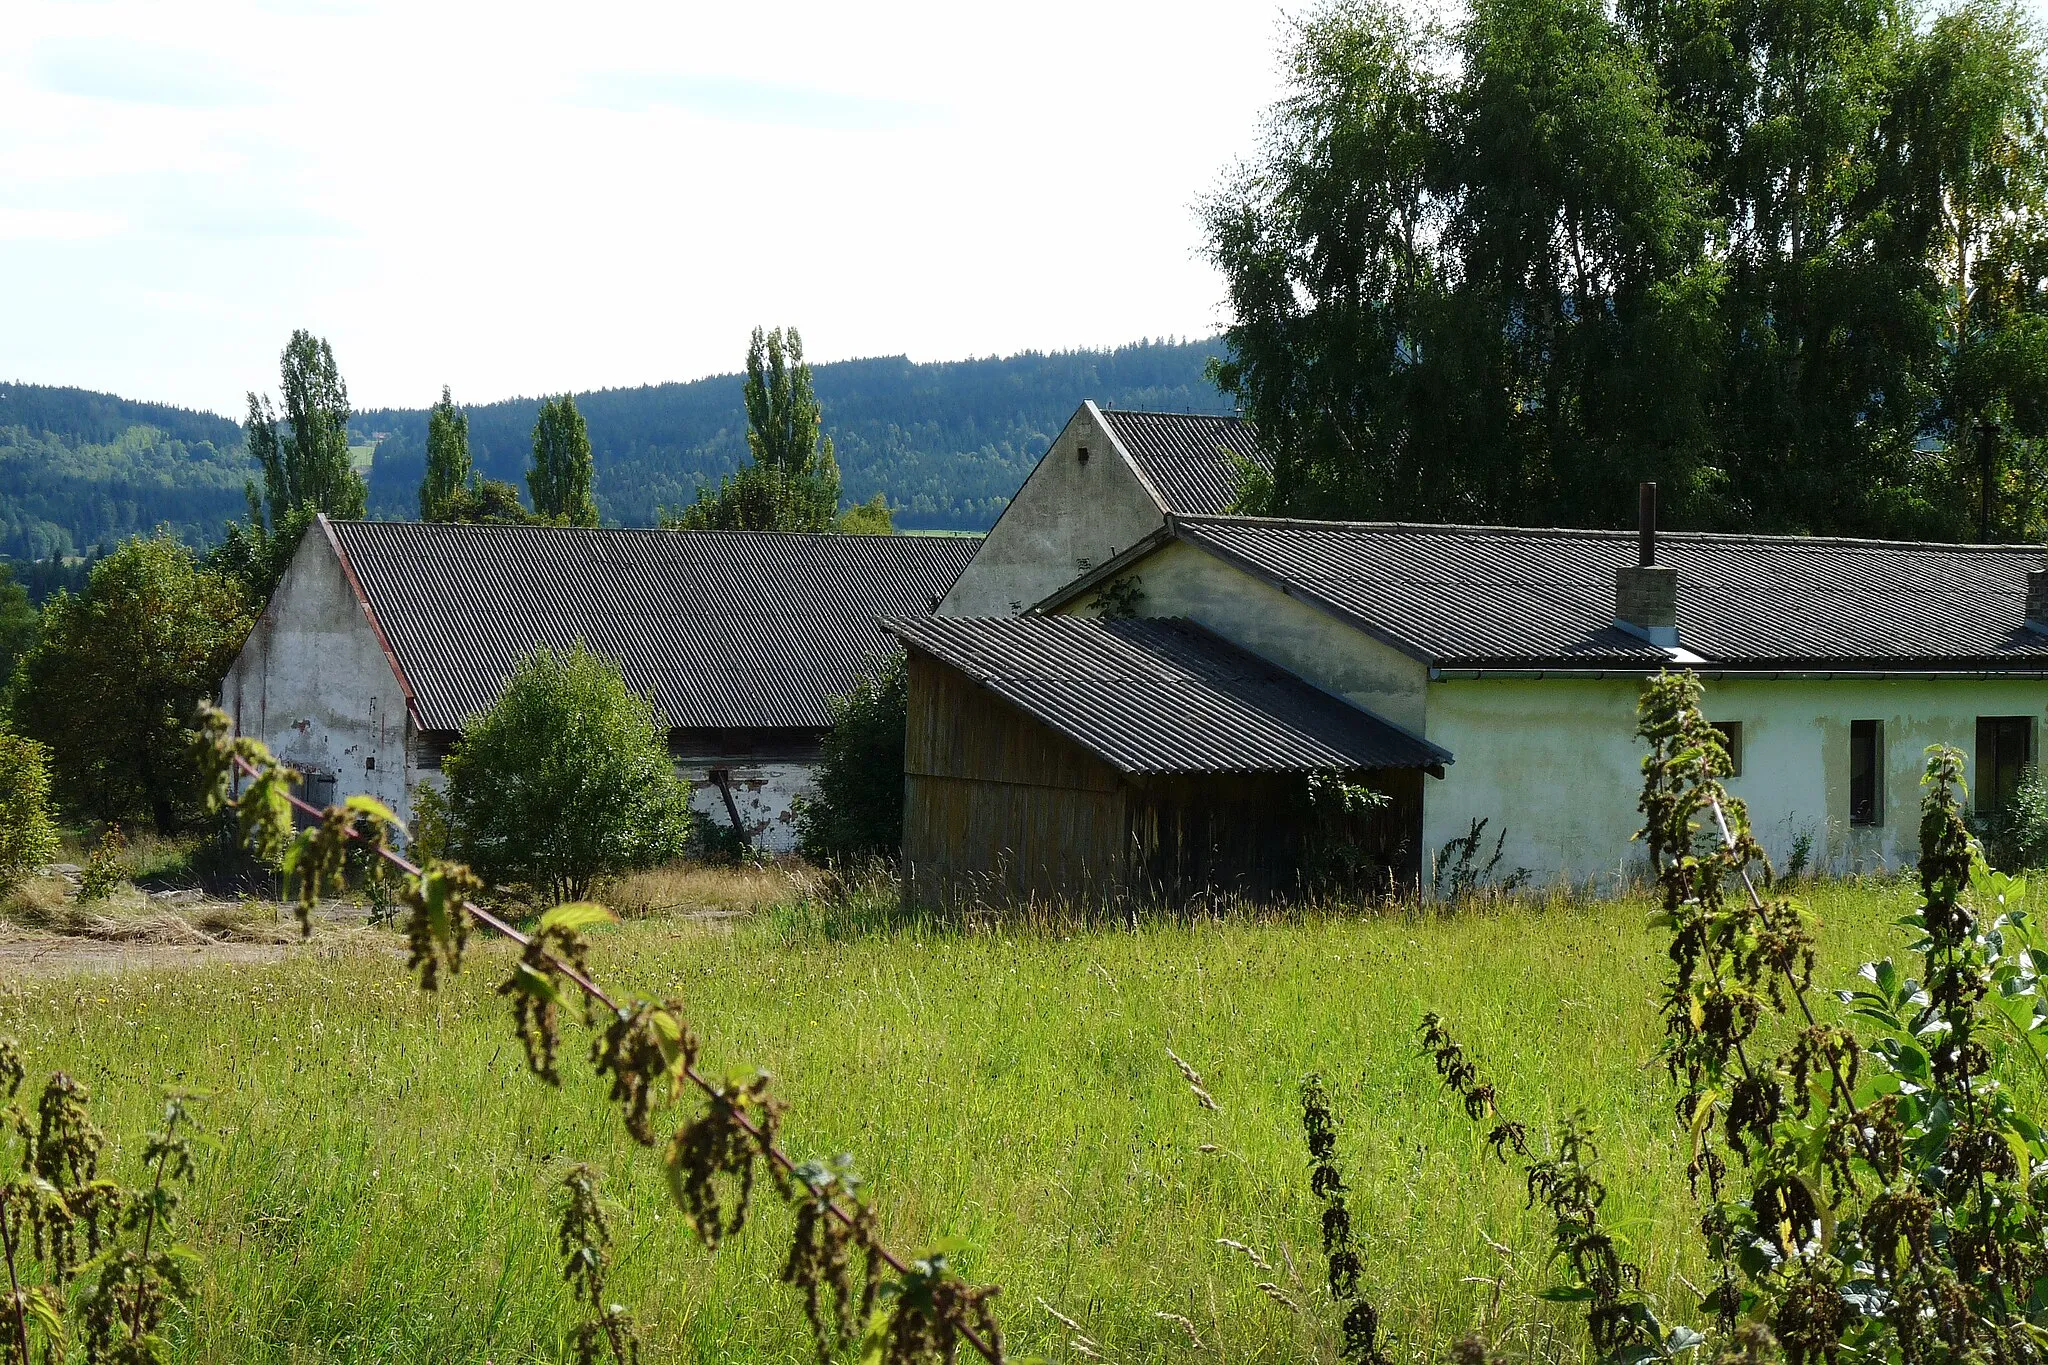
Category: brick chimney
[1646,592]
[2037,600]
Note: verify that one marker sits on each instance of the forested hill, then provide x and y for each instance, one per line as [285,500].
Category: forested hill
[947,441]
[78,468]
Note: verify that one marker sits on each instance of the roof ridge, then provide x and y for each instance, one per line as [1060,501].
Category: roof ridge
[522,527]
[1600,533]
[1161,412]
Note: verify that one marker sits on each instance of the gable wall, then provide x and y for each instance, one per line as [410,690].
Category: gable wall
[1181,580]
[1067,518]
[1557,762]
[313,683]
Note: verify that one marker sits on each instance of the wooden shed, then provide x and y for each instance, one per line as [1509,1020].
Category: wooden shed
[1058,758]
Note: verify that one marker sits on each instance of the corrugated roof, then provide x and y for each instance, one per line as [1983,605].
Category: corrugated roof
[1164,696]
[1502,597]
[1188,456]
[716,629]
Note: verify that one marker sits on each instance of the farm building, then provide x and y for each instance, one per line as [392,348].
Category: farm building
[1110,479]
[384,637]
[1058,757]
[1517,656]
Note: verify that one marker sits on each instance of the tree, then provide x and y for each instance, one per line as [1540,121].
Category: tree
[858,810]
[793,482]
[487,501]
[449,471]
[870,518]
[1790,260]
[256,555]
[19,622]
[112,685]
[28,836]
[560,478]
[566,779]
[306,459]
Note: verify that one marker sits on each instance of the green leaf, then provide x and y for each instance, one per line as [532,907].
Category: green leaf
[536,983]
[376,810]
[1565,1293]
[577,916]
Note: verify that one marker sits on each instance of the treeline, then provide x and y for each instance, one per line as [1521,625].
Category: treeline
[946,442]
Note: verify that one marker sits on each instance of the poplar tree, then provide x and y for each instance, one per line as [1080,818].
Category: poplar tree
[560,477]
[448,468]
[305,462]
[305,457]
[793,482]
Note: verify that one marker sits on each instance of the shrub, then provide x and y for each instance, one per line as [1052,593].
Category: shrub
[565,780]
[112,685]
[2017,837]
[858,810]
[105,870]
[28,837]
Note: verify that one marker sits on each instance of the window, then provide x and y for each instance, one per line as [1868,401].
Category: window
[1731,736]
[316,789]
[1866,772]
[2005,746]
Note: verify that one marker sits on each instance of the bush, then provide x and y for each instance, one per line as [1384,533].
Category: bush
[565,780]
[112,685]
[28,836]
[2016,838]
[858,810]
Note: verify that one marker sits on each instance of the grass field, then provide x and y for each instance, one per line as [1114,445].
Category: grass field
[380,1182]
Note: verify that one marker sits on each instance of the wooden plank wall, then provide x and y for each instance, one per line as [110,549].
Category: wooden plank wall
[999,809]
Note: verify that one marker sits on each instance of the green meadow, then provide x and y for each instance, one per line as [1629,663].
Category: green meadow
[379,1179]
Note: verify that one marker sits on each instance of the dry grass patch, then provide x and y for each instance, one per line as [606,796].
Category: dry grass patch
[705,890]
[43,906]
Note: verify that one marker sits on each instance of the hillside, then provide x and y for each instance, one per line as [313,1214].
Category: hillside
[948,442]
[78,468]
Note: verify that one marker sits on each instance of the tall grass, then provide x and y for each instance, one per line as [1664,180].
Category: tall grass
[380,1185]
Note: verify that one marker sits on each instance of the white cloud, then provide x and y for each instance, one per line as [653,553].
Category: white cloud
[522,197]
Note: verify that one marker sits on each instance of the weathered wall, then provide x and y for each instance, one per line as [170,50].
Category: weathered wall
[1066,519]
[314,684]
[1558,763]
[764,792]
[1179,579]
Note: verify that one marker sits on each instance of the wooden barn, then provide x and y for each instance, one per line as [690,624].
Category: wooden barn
[1091,761]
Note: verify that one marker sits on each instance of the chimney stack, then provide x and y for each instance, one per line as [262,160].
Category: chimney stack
[2037,600]
[1646,592]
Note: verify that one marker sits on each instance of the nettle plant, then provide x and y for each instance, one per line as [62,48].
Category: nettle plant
[92,1270]
[854,1291]
[1868,1188]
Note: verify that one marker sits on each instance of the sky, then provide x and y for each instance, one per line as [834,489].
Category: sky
[515,198]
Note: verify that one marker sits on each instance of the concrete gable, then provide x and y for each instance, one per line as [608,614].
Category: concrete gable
[313,682]
[1070,516]
[1179,579]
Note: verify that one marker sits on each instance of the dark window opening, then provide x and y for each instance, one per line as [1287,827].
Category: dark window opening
[370,764]
[315,789]
[1866,772]
[1084,454]
[2005,747]
[1731,738]
[428,751]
